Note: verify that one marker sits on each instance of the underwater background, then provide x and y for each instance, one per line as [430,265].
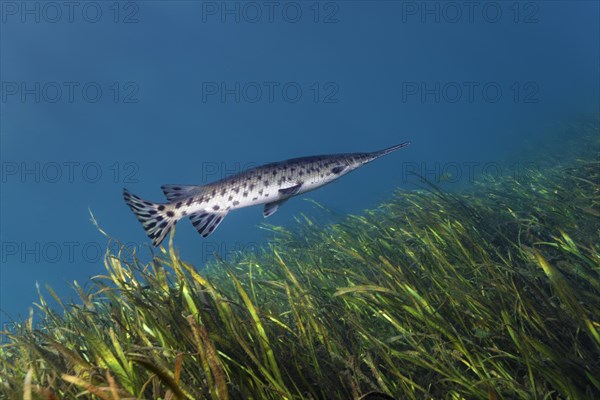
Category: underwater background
[98,96]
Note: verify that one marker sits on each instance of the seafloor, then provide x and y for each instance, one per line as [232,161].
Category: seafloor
[487,292]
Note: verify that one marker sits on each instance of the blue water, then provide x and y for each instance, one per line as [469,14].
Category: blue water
[108,95]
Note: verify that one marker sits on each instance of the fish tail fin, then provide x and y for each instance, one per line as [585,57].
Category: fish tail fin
[157,219]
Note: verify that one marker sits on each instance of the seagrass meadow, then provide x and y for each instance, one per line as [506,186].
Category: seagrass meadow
[491,291]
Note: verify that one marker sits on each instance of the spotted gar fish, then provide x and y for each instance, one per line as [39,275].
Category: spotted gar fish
[270,184]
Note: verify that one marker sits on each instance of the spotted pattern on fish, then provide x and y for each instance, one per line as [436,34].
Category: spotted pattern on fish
[270,184]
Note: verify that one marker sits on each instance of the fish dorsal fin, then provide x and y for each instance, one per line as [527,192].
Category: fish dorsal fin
[270,208]
[206,222]
[176,192]
[290,191]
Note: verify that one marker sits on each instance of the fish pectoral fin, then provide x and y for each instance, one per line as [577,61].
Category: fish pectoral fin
[290,191]
[206,222]
[176,192]
[338,170]
[270,208]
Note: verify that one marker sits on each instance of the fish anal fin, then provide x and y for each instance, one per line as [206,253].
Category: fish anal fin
[206,222]
[290,191]
[176,192]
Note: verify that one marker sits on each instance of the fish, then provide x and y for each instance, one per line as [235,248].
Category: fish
[271,184]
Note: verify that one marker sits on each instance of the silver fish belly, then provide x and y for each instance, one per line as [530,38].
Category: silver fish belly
[271,184]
